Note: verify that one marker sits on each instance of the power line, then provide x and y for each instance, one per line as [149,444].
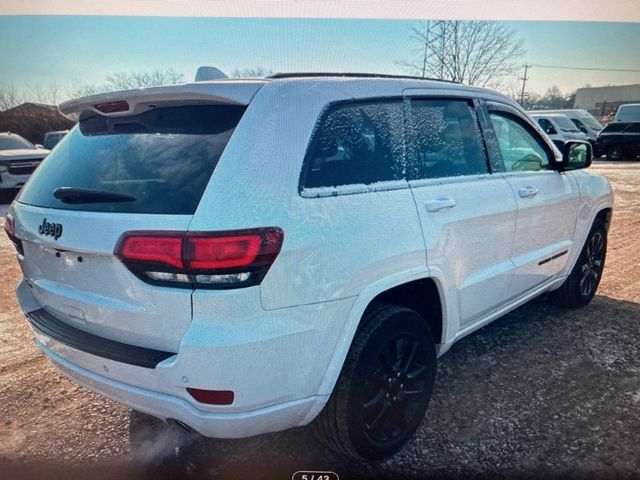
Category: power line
[594,69]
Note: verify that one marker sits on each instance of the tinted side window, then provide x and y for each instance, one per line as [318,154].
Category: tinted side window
[357,143]
[547,126]
[445,140]
[614,127]
[520,146]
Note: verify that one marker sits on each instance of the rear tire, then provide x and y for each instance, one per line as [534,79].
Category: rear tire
[582,283]
[615,153]
[384,387]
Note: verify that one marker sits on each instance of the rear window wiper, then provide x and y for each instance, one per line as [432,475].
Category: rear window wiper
[88,195]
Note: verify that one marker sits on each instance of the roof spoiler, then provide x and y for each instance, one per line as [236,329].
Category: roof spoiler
[133,102]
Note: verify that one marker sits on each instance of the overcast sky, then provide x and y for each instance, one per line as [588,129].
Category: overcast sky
[82,50]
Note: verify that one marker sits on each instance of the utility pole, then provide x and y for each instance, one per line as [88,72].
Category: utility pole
[426,49]
[524,83]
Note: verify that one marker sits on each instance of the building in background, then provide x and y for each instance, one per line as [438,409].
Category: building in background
[602,102]
[33,120]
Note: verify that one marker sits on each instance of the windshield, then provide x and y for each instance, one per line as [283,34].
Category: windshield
[162,158]
[591,122]
[14,142]
[565,124]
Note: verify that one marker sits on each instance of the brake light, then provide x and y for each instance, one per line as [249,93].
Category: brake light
[230,259]
[10,230]
[223,252]
[113,107]
[166,250]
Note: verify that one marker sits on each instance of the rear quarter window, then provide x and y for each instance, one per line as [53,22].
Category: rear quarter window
[356,143]
[163,158]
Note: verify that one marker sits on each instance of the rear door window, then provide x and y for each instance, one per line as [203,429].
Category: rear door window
[162,159]
[356,143]
[445,140]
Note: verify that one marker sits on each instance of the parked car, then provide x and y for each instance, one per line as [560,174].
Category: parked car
[18,159]
[619,141]
[582,119]
[51,139]
[559,128]
[269,253]
[628,113]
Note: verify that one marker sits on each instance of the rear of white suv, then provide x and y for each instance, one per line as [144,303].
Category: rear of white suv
[232,254]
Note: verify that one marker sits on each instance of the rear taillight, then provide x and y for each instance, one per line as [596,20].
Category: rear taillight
[10,230]
[232,259]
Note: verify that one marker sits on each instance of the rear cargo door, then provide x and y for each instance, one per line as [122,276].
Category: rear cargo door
[110,175]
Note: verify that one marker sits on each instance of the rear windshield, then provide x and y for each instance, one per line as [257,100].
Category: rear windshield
[160,160]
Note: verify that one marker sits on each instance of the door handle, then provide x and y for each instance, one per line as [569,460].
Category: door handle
[528,192]
[440,204]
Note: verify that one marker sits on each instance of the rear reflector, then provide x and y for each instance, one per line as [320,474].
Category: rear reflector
[212,397]
[231,259]
[113,107]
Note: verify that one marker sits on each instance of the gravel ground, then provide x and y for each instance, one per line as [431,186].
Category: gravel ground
[543,391]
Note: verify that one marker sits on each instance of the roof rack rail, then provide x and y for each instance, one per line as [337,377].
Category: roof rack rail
[357,75]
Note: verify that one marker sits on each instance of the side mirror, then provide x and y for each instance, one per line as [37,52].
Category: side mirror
[576,154]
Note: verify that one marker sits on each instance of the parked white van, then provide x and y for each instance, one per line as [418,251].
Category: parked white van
[559,128]
[586,123]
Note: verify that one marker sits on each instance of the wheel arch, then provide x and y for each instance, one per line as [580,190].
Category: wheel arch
[395,289]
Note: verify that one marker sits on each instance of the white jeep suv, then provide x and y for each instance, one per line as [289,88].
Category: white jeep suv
[248,256]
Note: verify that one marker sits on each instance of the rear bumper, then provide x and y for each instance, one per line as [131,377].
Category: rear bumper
[219,425]
[274,363]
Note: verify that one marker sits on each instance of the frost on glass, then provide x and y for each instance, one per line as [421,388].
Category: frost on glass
[445,140]
[357,144]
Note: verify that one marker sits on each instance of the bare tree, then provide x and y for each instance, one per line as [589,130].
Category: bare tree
[254,72]
[152,78]
[10,96]
[552,99]
[52,94]
[477,53]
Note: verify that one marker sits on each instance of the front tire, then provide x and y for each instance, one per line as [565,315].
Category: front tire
[384,387]
[581,284]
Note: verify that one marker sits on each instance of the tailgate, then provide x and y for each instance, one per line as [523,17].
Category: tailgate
[78,280]
[142,170]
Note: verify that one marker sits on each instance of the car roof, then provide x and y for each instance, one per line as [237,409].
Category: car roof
[10,134]
[552,115]
[240,91]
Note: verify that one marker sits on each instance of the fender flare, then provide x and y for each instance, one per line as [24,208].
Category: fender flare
[352,322]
